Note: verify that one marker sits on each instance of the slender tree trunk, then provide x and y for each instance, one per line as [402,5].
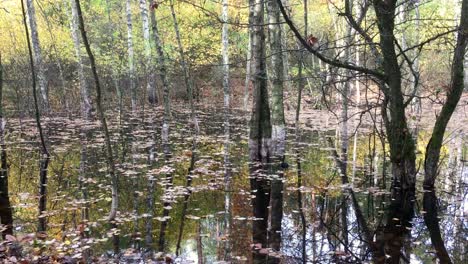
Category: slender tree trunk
[86,106]
[432,222]
[131,64]
[466,72]
[185,69]
[248,69]
[45,156]
[188,185]
[63,97]
[278,133]
[260,126]
[301,83]
[150,83]
[150,197]
[225,54]
[102,117]
[431,161]
[6,213]
[37,52]
[227,164]
[201,259]
[162,74]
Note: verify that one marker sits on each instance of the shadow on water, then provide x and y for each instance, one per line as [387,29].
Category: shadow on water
[204,202]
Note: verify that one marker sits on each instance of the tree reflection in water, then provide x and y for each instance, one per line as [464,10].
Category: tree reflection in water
[223,208]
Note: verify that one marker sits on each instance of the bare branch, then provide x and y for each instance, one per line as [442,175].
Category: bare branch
[333,62]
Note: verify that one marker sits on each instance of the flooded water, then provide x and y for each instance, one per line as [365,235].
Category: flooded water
[200,203]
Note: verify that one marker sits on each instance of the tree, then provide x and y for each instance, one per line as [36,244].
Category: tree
[432,156]
[6,213]
[387,76]
[86,106]
[102,118]
[278,132]
[45,156]
[260,125]
[150,83]
[37,52]
[162,70]
[131,64]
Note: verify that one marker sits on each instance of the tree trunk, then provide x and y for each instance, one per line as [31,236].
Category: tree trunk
[278,132]
[185,69]
[431,160]
[45,156]
[102,117]
[225,54]
[301,82]
[131,64]
[86,106]
[161,63]
[248,68]
[150,83]
[402,147]
[432,222]
[466,72]
[37,52]
[6,213]
[260,126]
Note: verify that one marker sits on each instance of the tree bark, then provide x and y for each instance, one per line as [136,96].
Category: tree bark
[278,133]
[6,213]
[402,147]
[161,64]
[37,52]
[102,117]
[260,126]
[432,222]
[225,54]
[185,68]
[45,156]
[150,83]
[431,160]
[131,63]
[248,68]
[86,106]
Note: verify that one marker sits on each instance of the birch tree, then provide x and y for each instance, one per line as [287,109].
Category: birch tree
[131,64]
[109,153]
[162,69]
[185,69]
[37,55]
[86,106]
[150,84]
[226,90]
[45,156]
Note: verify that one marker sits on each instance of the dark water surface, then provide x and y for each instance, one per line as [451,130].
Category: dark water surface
[204,212]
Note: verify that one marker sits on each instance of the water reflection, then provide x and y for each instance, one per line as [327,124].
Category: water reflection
[204,202]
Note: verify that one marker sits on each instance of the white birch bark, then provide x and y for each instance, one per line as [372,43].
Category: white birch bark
[248,71]
[225,54]
[85,101]
[226,90]
[37,52]
[150,84]
[130,51]
[161,64]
